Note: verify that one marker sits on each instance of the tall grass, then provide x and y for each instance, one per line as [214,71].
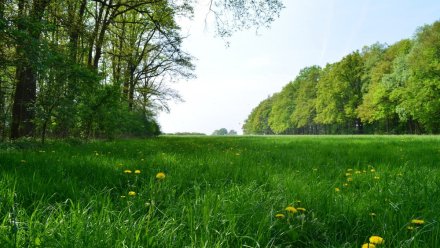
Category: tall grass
[222,192]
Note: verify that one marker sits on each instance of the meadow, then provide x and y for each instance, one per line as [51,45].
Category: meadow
[290,191]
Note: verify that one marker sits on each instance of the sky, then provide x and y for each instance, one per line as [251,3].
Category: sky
[232,80]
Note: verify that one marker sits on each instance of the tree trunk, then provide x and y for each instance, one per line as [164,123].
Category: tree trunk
[23,109]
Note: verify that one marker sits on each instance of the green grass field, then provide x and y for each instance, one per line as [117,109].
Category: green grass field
[222,192]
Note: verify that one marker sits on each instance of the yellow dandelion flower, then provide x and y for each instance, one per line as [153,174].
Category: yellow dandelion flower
[364,171]
[417,222]
[377,240]
[280,216]
[376,177]
[368,245]
[373,170]
[160,176]
[301,209]
[349,179]
[291,209]
[127,171]
[345,184]
[137,172]
[337,189]
[349,170]
[347,174]
[357,172]
[131,193]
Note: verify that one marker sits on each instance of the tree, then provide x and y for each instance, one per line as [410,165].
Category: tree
[282,108]
[221,131]
[305,109]
[258,120]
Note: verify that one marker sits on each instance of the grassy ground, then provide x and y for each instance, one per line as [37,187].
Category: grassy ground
[222,192]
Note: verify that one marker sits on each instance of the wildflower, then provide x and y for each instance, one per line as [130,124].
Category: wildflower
[291,209]
[372,214]
[122,196]
[337,189]
[364,171]
[368,245]
[137,172]
[280,216]
[417,222]
[377,240]
[357,172]
[127,171]
[376,177]
[373,170]
[237,154]
[349,170]
[131,193]
[349,179]
[345,184]
[410,228]
[347,174]
[314,169]
[160,176]
[301,209]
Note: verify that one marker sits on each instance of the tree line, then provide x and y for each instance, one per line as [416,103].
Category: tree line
[100,68]
[384,89]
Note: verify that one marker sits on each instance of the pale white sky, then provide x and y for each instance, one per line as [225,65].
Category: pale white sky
[232,80]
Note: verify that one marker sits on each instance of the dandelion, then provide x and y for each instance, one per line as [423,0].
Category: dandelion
[357,172]
[127,171]
[237,154]
[122,196]
[345,184]
[291,209]
[280,216]
[137,172]
[410,228]
[301,209]
[373,170]
[376,177]
[364,171]
[131,193]
[368,245]
[347,174]
[349,179]
[417,222]
[160,176]
[337,189]
[349,170]
[377,240]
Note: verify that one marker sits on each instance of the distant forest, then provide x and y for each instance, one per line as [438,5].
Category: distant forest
[382,89]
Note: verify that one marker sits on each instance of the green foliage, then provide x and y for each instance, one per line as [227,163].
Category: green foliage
[383,89]
[258,120]
[282,108]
